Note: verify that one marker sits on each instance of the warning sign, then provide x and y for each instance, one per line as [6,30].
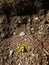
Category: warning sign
[22,49]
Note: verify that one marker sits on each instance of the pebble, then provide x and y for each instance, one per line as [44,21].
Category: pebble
[40,33]
[48,25]
[11,51]
[33,55]
[5,57]
[26,58]
[47,62]
[32,28]
[44,54]
[14,33]
[22,34]
[19,64]
[19,21]
[36,18]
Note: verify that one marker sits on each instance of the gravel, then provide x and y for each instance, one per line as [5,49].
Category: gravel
[32,34]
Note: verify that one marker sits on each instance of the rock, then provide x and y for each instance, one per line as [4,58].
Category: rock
[5,57]
[22,34]
[33,55]
[36,18]
[14,33]
[11,52]
[19,64]
[32,30]
[19,21]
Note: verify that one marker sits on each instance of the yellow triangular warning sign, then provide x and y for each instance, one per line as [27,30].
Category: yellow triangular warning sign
[22,49]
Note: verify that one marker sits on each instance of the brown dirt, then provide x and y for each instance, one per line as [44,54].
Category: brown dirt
[36,39]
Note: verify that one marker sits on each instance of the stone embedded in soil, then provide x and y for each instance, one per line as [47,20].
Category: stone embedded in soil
[22,33]
[36,18]
[11,52]
[19,64]
[14,33]
[32,30]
